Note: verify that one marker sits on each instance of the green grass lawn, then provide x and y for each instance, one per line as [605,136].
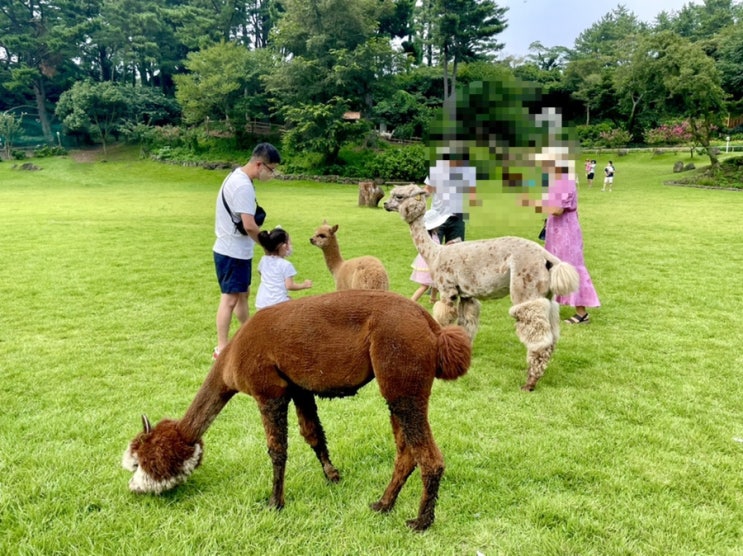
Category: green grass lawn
[631,444]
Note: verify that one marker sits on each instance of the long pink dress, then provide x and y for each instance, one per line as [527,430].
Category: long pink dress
[565,241]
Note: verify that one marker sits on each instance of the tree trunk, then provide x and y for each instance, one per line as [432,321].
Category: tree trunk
[369,194]
[40,94]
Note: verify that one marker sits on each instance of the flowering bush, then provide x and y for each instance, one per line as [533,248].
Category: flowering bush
[674,133]
[615,138]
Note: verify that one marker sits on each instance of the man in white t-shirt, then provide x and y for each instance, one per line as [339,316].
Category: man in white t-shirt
[452,184]
[608,176]
[238,219]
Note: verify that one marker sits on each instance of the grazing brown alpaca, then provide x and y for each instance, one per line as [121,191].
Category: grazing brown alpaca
[360,273]
[490,269]
[328,345]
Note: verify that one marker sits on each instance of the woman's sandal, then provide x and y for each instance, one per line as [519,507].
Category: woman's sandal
[577,319]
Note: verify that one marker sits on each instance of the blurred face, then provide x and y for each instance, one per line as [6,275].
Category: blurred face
[266,171]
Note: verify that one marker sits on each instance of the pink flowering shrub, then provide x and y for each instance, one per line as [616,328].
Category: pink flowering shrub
[674,133]
[615,138]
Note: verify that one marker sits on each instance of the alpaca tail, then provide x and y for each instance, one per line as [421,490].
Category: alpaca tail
[454,352]
[564,279]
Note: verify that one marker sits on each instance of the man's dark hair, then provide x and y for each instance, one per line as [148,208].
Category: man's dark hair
[267,153]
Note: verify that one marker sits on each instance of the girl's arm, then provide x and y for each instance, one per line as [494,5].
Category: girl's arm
[291,285]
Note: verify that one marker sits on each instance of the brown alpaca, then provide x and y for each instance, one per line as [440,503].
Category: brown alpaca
[328,345]
[490,269]
[360,273]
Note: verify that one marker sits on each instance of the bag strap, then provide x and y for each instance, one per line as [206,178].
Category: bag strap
[226,206]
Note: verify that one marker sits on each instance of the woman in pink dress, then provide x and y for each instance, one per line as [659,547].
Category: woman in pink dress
[564,235]
[565,240]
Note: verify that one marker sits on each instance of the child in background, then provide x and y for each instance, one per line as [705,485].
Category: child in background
[277,273]
[422,275]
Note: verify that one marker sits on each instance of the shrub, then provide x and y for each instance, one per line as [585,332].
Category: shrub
[672,133]
[49,150]
[590,135]
[614,138]
[409,163]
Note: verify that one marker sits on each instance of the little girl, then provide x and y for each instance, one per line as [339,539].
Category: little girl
[277,274]
[422,275]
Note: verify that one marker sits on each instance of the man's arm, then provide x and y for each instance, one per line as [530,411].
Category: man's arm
[250,226]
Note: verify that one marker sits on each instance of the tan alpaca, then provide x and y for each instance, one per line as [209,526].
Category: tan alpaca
[360,273]
[490,269]
[330,346]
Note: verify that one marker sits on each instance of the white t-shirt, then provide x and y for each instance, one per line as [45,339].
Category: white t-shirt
[452,185]
[272,289]
[240,196]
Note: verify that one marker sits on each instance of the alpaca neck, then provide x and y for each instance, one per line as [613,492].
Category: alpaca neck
[423,242]
[332,255]
[209,401]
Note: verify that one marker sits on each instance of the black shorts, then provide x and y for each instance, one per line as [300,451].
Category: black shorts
[233,275]
[590,176]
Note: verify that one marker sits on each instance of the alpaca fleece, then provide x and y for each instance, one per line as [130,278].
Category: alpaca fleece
[328,345]
[468,271]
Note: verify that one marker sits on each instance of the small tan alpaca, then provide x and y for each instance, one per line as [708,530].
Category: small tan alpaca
[329,346]
[490,269]
[360,273]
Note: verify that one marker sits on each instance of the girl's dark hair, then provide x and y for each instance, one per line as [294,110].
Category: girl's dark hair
[270,241]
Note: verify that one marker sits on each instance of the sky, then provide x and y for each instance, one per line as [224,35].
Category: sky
[559,22]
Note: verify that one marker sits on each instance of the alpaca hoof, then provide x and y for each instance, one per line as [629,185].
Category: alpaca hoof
[419,524]
[332,474]
[528,387]
[275,504]
[380,507]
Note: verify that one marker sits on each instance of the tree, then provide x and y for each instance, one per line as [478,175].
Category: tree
[219,78]
[599,52]
[96,109]
[465,30]
[686,83]
[320,128]
[10,127]
[323,44]
[39,41]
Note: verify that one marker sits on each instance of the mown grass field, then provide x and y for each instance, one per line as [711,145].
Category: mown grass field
[631,444]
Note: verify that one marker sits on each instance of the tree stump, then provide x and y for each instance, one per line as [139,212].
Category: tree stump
[369,194]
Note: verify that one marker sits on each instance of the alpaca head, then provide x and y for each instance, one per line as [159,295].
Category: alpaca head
[160,457]
[324,234]
[409,201]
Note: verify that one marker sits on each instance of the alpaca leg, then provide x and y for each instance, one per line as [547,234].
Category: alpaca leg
[273,415]
[469,316]
[312,431]
[537,361]
[404,466]
[413,416]
[445,310]
[534,327]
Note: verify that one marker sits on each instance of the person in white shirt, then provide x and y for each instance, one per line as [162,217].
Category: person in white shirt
[277,273]
[452,184]
[608,176]
[237,221]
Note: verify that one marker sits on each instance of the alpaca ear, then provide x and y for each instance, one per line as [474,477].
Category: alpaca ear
[324,222]
[335,228]
[146,424]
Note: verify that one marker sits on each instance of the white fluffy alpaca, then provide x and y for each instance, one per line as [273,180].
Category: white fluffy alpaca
[489,269]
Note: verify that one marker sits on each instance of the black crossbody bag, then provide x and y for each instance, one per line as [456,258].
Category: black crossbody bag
[259,216]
